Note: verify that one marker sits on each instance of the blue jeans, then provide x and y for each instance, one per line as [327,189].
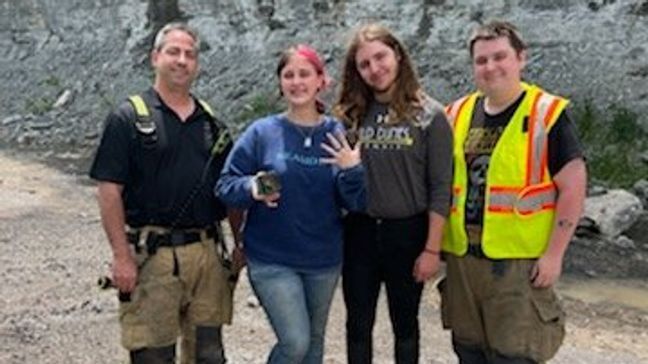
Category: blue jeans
[296,302]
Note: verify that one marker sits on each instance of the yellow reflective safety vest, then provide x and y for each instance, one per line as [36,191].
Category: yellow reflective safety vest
[519,205]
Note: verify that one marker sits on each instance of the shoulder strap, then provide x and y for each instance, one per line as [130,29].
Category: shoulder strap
[140,106]
[221,136]
[144,123]
[207,108]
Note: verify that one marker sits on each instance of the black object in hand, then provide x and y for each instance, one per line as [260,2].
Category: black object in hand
[267,183]
[105,282]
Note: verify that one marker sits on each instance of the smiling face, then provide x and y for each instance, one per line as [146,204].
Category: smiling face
[497,66]
[176,61]
[377,64]
[300,82]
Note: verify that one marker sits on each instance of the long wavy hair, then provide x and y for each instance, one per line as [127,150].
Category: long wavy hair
[355,94]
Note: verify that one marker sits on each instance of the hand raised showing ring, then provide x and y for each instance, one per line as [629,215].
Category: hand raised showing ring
[340,152]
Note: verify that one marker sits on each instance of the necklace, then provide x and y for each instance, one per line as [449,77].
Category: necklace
[305,131]
[308,136]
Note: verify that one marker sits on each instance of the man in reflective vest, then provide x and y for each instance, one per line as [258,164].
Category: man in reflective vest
[518,191]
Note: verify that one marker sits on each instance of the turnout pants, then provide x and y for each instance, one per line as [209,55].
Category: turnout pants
[495,315]
[182,291]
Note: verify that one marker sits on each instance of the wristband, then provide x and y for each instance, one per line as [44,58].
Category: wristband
[431,251]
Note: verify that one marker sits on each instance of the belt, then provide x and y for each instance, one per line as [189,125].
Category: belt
[476,251]
[499,266]
[360,217]
[155,239]
[179,237]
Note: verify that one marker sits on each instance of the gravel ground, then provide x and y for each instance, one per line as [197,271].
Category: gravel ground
[53,250]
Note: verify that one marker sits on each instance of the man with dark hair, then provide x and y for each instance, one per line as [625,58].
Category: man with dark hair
[518,191]
[157,162]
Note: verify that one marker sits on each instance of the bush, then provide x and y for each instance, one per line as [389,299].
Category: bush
[259,105]
[38,106]
[614,141]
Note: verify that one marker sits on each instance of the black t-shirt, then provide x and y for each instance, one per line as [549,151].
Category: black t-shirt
[159,177]
[485,131]
[408,164]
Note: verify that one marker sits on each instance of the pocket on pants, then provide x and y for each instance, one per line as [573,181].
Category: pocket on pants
[551,322]
[226,283]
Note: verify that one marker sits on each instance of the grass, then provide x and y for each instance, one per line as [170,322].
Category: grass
[258,106]
[614,141]
[52,81]
[38,106]
[43,104]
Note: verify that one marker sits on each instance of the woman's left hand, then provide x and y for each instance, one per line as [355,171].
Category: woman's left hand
[341,153]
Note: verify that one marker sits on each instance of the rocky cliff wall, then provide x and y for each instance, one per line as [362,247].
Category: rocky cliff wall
[66,62]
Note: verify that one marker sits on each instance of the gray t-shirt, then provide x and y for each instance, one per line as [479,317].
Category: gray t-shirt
[408,164]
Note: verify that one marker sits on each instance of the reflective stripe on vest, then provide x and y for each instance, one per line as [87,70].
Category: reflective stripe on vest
[453,110]
[542,111]
[522,201]
[456,192]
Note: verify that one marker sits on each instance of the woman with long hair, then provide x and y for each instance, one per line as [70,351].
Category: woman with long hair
[407,154]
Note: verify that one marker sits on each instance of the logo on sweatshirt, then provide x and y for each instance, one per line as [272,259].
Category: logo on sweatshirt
[383,135]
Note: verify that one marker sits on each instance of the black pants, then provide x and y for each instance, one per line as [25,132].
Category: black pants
[376,251]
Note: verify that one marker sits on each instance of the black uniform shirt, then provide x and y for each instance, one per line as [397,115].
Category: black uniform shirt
[159,177]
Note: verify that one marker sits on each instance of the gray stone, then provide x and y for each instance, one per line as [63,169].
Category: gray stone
[12,119]
[613,212]
[644,157]
[64,99]
[596,191]
[624,242]
[638,231]
[640,188]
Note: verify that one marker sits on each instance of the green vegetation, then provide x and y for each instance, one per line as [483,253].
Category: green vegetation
[52,81]
[614,141]
[258,106]
[38,106]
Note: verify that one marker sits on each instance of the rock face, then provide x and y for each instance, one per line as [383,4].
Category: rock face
[96,51]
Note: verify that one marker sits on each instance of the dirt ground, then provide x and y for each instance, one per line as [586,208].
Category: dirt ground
[53,250]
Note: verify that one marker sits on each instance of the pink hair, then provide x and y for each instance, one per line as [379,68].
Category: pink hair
[310,54]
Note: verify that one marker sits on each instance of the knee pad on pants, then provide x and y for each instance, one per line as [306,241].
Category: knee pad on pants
[209,345]
[162,355]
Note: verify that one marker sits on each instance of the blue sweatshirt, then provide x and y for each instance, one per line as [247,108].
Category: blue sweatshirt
[305,230]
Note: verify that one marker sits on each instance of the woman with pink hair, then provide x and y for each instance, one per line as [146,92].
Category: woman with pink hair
[293,173]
